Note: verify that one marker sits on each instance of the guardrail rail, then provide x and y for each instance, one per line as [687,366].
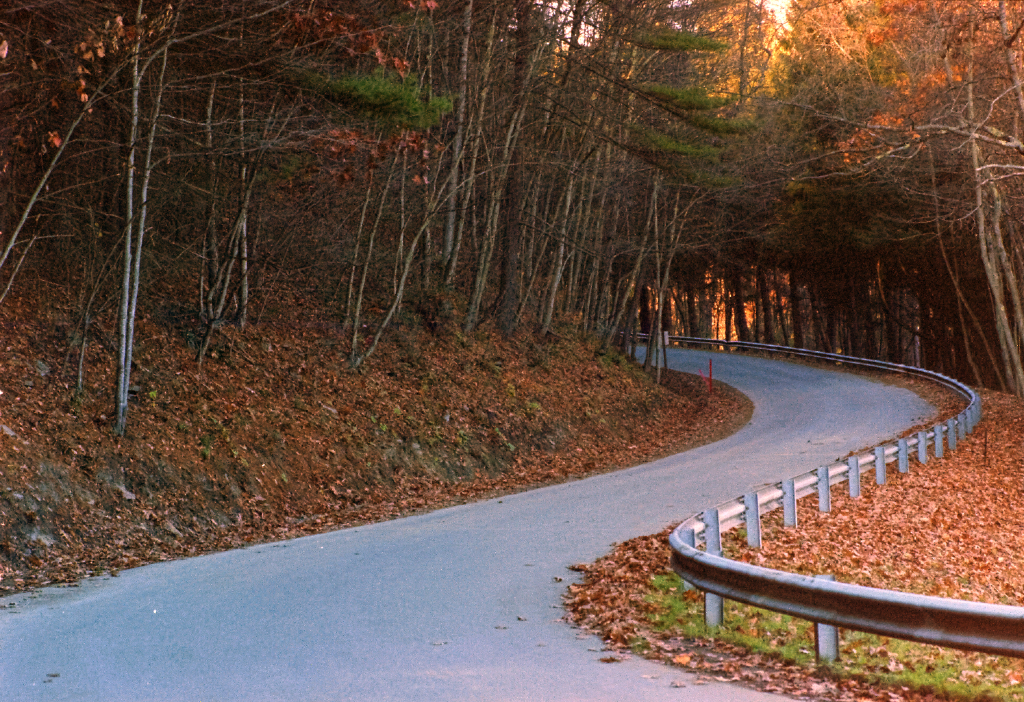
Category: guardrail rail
[997,629]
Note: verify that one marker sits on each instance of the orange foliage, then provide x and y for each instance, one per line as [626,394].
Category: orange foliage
[314,26]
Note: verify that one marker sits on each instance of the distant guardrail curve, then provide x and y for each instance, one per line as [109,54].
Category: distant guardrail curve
[962,624]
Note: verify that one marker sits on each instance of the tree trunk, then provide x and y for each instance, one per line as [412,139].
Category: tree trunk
[780,307]
[356,355]
[448,243]
[729,307]
[558,264]
[740,311]
[470,185]
[988,217]
[796,310]
[766,306]
[514,193]
[133,249]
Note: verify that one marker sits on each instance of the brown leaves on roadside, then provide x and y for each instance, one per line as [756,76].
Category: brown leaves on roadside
[277,438]
[952,527]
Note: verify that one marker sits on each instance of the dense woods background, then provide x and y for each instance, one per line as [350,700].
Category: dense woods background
[844,176]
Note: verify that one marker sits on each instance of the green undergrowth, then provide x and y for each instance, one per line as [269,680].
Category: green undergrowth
[948,673]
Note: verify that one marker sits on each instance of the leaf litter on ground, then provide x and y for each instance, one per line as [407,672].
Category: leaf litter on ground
[951,528]
[276,437]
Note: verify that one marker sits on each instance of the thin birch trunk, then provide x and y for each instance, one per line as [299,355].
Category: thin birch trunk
[470,185]
[624,300]
[535,253]
[133,254]
[961,298]
[211,245]
[557,265]
[498,185]
[221,285]
[448,245]
[994,271]
[354,351]
[357,359]
[243,244]
[350,296]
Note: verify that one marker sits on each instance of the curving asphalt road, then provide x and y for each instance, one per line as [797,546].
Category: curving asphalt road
[459,604]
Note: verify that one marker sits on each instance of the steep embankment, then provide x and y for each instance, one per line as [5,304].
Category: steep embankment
[276,437]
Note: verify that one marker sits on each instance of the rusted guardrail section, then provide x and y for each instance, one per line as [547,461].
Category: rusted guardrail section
[960,624]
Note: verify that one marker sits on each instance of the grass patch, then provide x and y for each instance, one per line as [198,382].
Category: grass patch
[874,659]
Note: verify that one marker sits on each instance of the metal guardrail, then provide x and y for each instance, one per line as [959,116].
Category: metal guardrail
[974,626]
[997,629]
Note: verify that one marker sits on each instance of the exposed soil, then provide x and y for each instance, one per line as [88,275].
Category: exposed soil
[274,437]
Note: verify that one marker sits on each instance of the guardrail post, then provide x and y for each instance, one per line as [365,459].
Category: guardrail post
[789,503]
[753,519]
[714,605]
[826,637]
[714,610]
[824,491]
[854,463]
[712,532]
[690,539]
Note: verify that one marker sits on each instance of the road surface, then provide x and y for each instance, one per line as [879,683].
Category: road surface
[462,604]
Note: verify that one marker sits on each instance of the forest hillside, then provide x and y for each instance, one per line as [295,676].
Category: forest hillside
[265,262]
[276,436]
